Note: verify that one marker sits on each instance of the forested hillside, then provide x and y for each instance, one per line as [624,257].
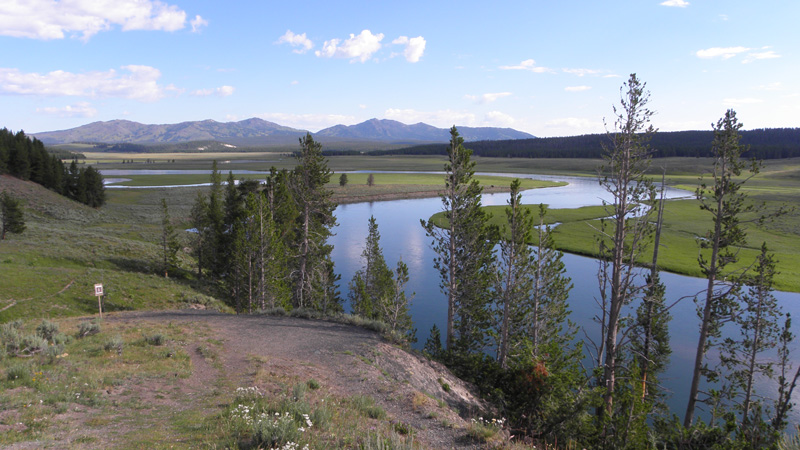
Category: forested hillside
[27,159]
[770,143]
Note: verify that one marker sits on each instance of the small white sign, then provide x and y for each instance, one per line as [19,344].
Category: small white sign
[98,290]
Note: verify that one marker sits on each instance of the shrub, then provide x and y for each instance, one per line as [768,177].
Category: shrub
[47,330]
[321,417]
[87,328]
[53,351]
[313,384]
[12,338]
[274,432]
[403,428]
[366,406]
[33,344]
[299,391]
[155,339]
[116,343]
[18,373]
[276,311]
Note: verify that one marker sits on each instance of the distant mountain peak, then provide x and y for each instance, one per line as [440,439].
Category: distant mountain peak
[255,131]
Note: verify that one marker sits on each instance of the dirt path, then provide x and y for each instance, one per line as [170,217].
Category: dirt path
[349,360]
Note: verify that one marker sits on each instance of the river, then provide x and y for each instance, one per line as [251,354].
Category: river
[402,236]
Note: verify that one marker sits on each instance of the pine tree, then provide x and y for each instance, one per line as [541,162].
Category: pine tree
[313,275]
[514,284]
[464,252]
[786,382]
[169,240]
[343,180]
[202,232]
[215,224]
[726,204]
[395,308]
[13,219]
[650,334]
[373,283]
[757,319]
[623,176]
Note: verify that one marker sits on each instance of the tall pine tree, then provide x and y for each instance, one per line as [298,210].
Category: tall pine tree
[464,248]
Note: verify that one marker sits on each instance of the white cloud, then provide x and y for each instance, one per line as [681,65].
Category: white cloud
[415,47]
[498,119]
[52,19]
[737,102]
[675,3]
[360,47]
[222,91]
[301,43]
[294,83]
[487,98]
[362,106]
[139,83]
[198,23]
[310,122]
[529,65]
[583,72]
[577,88]
[721,52]
[80,109]
[770,54]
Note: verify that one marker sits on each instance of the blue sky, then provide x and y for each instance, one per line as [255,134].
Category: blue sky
[548,68]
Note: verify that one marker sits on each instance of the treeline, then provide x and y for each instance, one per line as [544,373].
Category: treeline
[770,143]
[27,159]
[265,246]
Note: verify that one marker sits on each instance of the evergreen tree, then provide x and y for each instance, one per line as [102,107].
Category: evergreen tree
[625,234]
[464,252]
[514,285]
[370,180]
[373,284]
[91,190]
[433,345]
[744,357]
[313,275]
[13,220]
[395,308]
[343,180]
[169,240]
[202,232]
[786,382]
[650,334]
[726,204]
[215,224]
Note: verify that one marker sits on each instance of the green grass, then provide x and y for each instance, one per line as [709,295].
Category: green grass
[684,222]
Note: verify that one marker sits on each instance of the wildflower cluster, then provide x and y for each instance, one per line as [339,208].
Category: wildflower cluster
[495,423]
[252,392]
[273,430]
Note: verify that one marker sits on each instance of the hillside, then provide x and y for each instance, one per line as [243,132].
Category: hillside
[257,132]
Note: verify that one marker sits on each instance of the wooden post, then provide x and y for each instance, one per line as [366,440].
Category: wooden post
[98,292]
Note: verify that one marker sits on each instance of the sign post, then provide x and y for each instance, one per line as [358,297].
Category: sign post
[98,292]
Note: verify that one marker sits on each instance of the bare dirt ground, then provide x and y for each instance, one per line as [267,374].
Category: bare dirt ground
[347,359]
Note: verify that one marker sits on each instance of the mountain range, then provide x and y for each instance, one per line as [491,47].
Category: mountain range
[254,132]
